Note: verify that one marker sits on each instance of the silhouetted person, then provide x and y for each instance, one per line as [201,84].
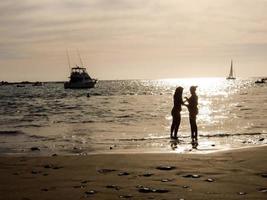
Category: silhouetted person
[177,107]
[193,111]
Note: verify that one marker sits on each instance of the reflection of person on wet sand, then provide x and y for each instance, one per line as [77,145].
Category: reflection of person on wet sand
[177,107]
[193,111]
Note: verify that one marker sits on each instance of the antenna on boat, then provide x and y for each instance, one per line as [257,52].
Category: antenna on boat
[80,57]
[67,53]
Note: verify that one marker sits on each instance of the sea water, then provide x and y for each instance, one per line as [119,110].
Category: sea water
[130,116]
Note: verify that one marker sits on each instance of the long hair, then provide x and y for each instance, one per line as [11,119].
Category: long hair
[178,95]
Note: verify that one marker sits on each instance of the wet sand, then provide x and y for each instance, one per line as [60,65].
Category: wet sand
[238,174]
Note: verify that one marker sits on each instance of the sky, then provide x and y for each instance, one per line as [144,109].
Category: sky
[132,39]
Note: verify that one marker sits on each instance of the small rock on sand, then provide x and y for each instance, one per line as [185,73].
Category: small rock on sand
[147,174]
[192,176]
[209,180]
[152,190]
[263,190]
[35,149]
[242,193]
[123,174]
[105,171]
[166,168]
[127,196]
[91,192]
[113,187]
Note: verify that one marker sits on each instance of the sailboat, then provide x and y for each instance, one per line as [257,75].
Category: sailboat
[231,74]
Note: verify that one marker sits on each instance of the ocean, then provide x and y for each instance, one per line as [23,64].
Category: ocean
[130,116]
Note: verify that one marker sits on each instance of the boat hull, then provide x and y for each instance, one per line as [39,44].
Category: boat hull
[230,78]
[78,85]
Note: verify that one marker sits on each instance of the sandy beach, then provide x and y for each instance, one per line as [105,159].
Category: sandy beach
[235,174]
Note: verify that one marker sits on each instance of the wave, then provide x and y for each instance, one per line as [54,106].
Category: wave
[219,135]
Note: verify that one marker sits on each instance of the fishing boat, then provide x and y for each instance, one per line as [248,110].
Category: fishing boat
[231,74]
[79,78]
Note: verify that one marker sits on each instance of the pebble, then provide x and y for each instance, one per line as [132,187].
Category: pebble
[105,171]
[79,186]
[166,168]
[263,190]
[210,180]
[123,174]
[264,175]
[261,139]
[113,187]
[91,192]
[128,196]
[147,174]
[152,190]
[35,149]
[192,176]
[166,180]
[242,193]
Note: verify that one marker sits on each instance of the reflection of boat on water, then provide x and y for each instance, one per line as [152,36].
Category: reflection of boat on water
[80,79]
[231,74]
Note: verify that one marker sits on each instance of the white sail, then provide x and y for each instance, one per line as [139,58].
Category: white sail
[231,74]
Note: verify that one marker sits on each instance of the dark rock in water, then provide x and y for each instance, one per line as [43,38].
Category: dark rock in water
[263,190]
[213,145]
[105,171]
[261,139]
[91,192]
[147,174]
[113,187]
[242,193]
[209,180]
[35,149]
[264,175]
[54,155]
[123,174]
[110,148]
[166,168]
[127,196]
[45,189]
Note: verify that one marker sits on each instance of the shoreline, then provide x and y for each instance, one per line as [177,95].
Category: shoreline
[219,175]
[188,151]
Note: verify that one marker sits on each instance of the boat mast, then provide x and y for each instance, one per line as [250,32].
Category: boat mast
[80,57]
[67,53]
